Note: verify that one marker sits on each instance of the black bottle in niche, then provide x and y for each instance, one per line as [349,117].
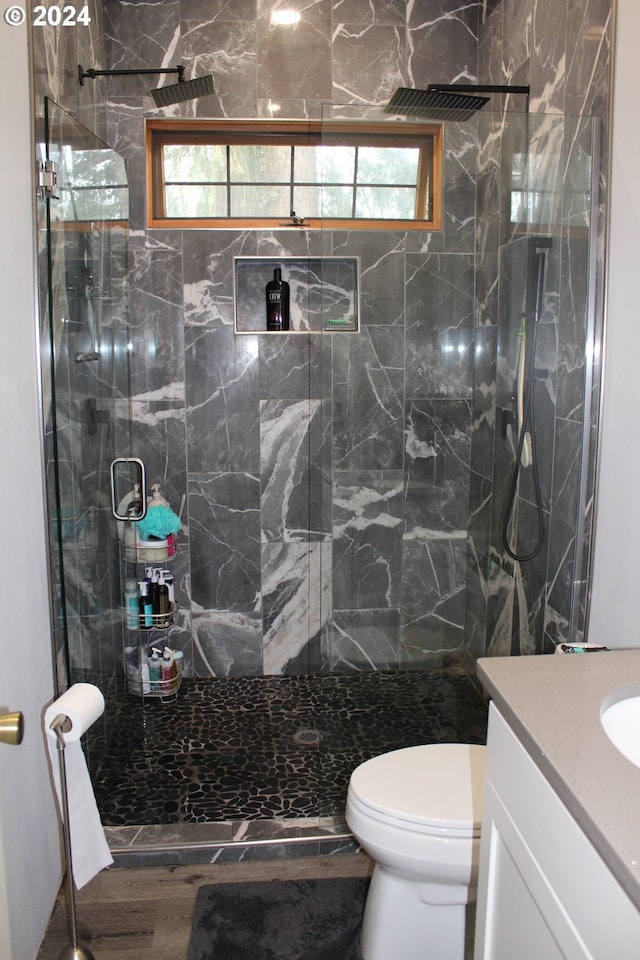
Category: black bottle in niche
[277,302]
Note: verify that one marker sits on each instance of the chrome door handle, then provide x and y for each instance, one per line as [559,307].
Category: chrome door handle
[138,477]
[12,728]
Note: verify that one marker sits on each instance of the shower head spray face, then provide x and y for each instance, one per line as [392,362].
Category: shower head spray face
[183,90]
[435,104]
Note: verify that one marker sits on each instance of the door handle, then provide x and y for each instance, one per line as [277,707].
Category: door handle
[129,471]
[12,728]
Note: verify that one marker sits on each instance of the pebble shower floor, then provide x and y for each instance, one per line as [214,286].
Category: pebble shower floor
[273,747]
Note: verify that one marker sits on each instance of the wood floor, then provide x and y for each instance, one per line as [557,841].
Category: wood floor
[144,913]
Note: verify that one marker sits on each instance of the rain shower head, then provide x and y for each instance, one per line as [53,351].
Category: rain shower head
[163,96]
[435,104]
[183,90]
[442,101]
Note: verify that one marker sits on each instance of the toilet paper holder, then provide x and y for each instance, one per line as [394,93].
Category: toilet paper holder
[60,725]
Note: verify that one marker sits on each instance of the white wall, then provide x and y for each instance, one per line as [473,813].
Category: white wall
[614,613]
[30,869]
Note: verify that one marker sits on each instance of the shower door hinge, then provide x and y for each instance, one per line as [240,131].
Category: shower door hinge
[48,180]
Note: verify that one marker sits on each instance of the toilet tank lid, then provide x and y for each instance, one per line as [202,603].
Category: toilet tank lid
[439,784]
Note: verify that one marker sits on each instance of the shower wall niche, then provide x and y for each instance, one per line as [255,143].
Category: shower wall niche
[325,293]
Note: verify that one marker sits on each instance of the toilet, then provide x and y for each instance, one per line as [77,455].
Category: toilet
[417,813]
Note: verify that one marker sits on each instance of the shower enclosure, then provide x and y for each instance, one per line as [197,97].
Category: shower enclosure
[345,490]
[84,284]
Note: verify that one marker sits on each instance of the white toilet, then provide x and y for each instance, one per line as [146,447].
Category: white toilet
[417,813]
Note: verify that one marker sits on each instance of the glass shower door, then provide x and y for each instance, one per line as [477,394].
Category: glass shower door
[85,372]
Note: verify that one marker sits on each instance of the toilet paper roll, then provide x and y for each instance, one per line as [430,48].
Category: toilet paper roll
[82,704]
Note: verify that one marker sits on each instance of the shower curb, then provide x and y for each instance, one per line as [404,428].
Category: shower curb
[229,841]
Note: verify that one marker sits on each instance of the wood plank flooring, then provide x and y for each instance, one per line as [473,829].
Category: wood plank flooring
[144,913]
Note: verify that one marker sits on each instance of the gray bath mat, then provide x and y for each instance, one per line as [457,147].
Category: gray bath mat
[279,920]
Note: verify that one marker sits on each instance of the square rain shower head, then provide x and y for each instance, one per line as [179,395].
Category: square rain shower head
[183,90]
[435,104]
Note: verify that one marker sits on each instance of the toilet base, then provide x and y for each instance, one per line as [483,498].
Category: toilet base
[398,923]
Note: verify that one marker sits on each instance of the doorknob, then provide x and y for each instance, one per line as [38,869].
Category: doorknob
[12,728]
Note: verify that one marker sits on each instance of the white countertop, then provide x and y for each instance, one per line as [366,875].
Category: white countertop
[553,705]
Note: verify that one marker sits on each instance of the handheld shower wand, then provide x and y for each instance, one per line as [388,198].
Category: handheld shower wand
[525,454]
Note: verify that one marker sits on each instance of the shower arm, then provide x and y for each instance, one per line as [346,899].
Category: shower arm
[481,88]
[92,74]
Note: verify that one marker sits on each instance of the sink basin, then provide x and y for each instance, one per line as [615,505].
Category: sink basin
[621,723]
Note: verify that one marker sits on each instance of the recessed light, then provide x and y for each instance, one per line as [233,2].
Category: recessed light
[285,17]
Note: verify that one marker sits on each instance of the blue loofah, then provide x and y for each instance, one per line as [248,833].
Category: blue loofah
[159,522]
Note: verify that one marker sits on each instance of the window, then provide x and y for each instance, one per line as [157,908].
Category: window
[262,174]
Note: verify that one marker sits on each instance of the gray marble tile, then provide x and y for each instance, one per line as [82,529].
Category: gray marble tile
[363,640]
[442,42]
[367,532]
[296,62]
[368,379]
[484,421]
[381,273]
[437,457]
[224,533]
[459,186]
[440,321]
[295,494]
[227,643]
[226,49]
[296,603]
[157,343]
[208,266]
[222,400]
[433,597]
[367,61]
[291,367]
[561,533]
[217,10]
[393,12]
[137,37]
[588,57]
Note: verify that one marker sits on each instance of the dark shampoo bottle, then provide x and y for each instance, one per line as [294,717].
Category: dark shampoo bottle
[277,292]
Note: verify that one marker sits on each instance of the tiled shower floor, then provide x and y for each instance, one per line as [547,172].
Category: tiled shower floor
[277,747]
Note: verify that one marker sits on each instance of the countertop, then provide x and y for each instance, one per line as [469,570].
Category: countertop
[553,705]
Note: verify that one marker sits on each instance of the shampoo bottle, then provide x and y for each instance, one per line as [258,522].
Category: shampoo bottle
[146,609]
[155,675]
[162,602]
[167,669]
[132,606]
[277,292]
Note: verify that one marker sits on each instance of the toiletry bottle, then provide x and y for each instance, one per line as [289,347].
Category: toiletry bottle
[277,292]
[146,610]
[133,669]
[131,604]
[169,579]
[163,607]
[153,593]
[144,675]
[155,674]
[167,670]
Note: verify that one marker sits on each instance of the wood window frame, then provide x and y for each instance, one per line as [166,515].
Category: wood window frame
[159,133]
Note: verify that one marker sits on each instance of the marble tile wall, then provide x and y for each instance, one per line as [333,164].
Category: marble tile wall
[326,476]
[328,479]
[563,52]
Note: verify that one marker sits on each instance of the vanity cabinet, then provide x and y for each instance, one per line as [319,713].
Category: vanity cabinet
[544,892]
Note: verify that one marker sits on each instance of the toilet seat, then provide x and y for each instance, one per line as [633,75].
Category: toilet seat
[432,788]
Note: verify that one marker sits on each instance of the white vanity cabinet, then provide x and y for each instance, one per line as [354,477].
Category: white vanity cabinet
[543,891]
